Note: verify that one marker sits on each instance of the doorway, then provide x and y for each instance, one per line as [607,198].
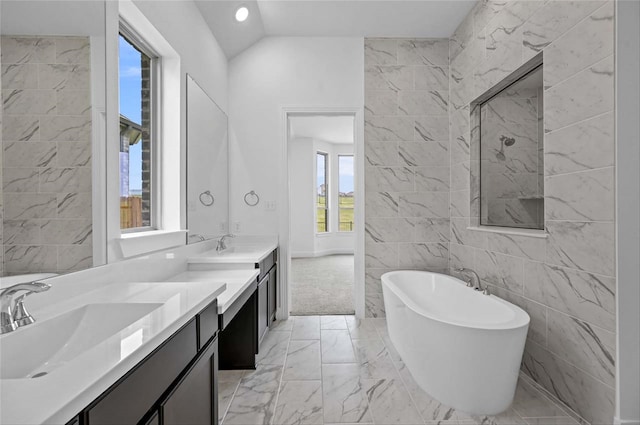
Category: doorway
[322,219]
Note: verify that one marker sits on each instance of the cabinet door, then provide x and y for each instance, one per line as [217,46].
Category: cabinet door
[131,398]
[273,293]
[263,306]
[154,419]
[195,399]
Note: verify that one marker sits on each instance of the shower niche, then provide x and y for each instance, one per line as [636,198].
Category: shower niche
[507,167]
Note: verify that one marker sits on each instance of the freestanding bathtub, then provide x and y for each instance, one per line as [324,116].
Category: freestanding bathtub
[462,347]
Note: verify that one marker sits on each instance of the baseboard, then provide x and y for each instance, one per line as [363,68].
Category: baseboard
[302,254]
[552,398]
[312,254]
[618,421]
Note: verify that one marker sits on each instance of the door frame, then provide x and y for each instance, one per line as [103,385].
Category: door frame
[284,293]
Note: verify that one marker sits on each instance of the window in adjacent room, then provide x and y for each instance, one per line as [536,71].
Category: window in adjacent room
[138,71]
[322,193]
[345,193]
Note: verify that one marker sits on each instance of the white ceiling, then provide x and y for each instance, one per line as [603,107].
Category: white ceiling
[325,18]
[333,129]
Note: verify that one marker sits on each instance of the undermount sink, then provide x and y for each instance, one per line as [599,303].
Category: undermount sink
[37,349]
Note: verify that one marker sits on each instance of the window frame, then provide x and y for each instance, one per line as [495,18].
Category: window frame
[352,156]
[155,133]
[326,194]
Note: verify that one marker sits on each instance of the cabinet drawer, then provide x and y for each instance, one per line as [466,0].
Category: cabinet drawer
[226,317]
[266,264]
[127,401]
[207,323]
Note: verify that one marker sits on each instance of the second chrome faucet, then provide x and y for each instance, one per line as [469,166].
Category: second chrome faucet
[222,242]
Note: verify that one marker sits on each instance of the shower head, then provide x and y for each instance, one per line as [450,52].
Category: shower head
[508,141]
[504,140]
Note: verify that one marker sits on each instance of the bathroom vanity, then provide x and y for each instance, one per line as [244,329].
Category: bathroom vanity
[248,306]
[115,353]
[140,341]
[175,384]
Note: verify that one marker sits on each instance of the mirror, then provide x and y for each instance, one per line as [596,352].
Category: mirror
[207,166]
[53,90]
[511,137]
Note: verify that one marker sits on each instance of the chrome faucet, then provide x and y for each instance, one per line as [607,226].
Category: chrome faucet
[222,242]
[474,280]
[14,316]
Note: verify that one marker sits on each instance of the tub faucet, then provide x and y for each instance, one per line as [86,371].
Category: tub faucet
[222,242]
[474,280]
[14,316]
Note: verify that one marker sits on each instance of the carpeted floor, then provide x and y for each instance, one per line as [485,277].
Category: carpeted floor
[322,285]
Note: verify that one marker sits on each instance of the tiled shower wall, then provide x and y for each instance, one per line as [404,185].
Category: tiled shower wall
[566,281]
[46,144]
[407,160]
[513,182]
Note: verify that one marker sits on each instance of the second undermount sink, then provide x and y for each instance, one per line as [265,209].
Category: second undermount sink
[37,349]
[239,249]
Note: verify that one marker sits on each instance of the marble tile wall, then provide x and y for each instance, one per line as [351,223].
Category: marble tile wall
[46,154]
[407,160]
[566,281]
[1,193]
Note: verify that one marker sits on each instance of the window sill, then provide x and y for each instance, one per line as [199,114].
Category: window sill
[138,243]
[532,233]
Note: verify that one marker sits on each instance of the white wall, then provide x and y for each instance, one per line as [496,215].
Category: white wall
[279,72]
[302,185]
[301,169]
[267,81]
[628,212]
[182,25]
[201,57]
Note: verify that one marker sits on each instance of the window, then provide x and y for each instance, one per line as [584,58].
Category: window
[509,136]
[345,193]
[322,193]
[138,94]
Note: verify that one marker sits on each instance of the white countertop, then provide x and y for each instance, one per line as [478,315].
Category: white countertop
[238,252]
[70,386]
[237,281]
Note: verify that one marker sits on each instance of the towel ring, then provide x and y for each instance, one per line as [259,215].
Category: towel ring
[208,198]
[251,198]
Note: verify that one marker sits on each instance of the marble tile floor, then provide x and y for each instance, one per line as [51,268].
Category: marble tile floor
[341,370]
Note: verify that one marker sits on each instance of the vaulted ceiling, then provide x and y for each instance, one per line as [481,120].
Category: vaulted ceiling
[326,18]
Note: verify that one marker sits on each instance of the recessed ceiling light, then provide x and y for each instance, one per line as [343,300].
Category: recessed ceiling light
[242,14]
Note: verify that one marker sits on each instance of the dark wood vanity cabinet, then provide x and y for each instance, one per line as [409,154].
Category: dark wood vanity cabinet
[273,291]
[194,400]
[244,324]
[268,275]
[263,307]
[176,384]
